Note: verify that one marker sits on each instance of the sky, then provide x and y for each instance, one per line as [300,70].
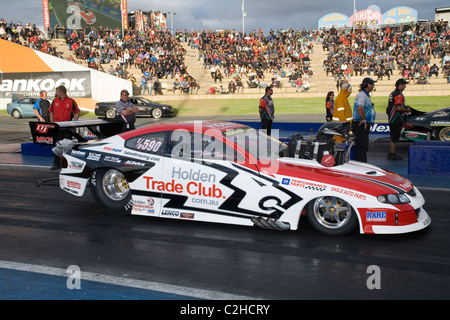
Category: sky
[227,14]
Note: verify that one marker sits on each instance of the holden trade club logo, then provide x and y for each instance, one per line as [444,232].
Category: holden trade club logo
[43,128]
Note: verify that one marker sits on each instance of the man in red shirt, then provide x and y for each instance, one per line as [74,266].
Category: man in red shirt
[62,108]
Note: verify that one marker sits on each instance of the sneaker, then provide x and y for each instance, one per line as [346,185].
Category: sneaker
[393,156]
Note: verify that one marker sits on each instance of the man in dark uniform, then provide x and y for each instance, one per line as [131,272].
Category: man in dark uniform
[127,111]
[396,111]
[267,110]
[41,107]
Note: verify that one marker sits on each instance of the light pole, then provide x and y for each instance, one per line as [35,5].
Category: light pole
[171,21]
[244,14]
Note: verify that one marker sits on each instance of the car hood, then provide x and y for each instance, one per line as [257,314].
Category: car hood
[353,175]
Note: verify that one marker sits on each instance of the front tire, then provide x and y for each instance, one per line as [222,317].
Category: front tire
[156,113]
[332,216]
[111,191]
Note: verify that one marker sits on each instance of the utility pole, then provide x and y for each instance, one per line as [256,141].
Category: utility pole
[244,14]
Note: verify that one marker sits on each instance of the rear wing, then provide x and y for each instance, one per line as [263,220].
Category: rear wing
[82,130]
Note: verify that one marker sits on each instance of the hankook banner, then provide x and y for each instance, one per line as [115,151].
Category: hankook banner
[78,83]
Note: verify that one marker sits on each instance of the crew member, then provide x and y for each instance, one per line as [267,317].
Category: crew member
[41,107]
[363,118]
[342,109]
[62,108]
[396,111]
[127,111]
[267,110]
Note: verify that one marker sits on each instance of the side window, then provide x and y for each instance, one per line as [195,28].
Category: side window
[154,143]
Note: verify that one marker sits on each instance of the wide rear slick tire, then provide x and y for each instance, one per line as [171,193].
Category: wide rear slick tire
[110,190]
[331,215]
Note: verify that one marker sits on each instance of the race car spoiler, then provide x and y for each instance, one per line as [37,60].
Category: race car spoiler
[47,132]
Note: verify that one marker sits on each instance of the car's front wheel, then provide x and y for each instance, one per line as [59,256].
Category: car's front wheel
[331,216]
[111,191]
[156,113]
[16,114]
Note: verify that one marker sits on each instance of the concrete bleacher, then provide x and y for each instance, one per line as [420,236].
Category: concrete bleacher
[320,83]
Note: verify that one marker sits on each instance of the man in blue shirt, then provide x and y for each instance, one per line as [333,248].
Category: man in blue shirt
[41,106]
[363,119]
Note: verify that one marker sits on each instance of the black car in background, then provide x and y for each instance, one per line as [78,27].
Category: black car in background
[146,108]
[434,123]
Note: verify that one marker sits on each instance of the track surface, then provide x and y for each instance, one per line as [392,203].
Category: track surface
[47,227]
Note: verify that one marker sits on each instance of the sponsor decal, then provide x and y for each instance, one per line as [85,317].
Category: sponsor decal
[134,163]
[44,140]
[170,213]
[94,156]
[350,193]
[376,216]
[43,128]
[304,184]
[112,149]
[192,188]
[148,145]
[75,165]
[112,159]
[78,153]
[193,175]
[141,206]
[187,215]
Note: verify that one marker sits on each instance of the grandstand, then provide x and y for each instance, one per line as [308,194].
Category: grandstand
[319,83]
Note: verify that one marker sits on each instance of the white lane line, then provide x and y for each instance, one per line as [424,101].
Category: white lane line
[126,282]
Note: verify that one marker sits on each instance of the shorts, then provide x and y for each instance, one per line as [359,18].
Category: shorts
[395,131]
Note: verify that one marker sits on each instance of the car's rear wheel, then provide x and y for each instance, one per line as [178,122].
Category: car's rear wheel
[156,113]
[16,114]
[444,134]
[110,114]
[331,216]
[111,191]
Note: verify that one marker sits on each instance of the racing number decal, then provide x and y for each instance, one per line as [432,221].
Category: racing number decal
[148,145]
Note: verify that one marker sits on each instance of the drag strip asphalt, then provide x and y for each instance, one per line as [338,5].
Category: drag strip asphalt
[44,229]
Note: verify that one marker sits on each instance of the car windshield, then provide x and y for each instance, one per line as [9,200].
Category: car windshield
[256,142]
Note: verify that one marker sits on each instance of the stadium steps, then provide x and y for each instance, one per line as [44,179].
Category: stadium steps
[320,83]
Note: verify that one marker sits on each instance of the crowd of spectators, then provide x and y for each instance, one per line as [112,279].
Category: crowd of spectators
[236,61]
[246,60]
[28,35]
[404,50]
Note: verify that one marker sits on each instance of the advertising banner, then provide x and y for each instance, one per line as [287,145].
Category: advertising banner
[400,15]
[78,83]
[366,18]
[337,20]
[46,14]
[84,13]
[124,14]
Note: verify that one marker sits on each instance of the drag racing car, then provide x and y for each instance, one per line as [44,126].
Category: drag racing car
[423,125]
[225,172]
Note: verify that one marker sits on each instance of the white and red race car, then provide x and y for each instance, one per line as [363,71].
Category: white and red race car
[225,172]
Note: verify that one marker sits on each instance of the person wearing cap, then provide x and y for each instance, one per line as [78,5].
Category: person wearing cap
[396,113]
[127,111]
[363,118]
[267,110]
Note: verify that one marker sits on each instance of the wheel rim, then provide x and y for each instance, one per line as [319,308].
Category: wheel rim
[115,185]
[16,114]
[444,134]
[156,113]
[110,113]
[332,212]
